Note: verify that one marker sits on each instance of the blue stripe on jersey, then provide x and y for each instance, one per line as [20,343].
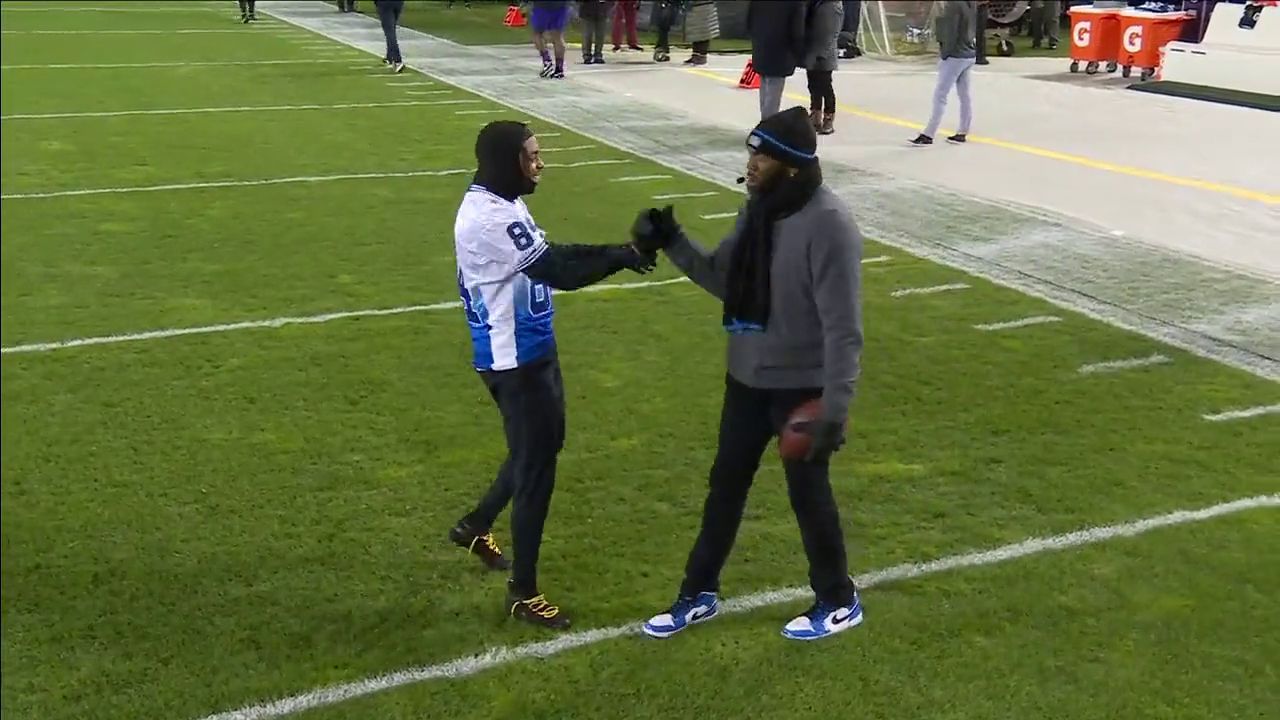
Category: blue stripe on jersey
[535,337]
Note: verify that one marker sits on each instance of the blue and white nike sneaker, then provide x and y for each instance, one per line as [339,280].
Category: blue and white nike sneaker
[825,619]
[685,612]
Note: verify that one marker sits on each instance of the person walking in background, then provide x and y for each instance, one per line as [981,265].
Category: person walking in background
[777,32]
[548,20]
[1045,16]
[822,29]
[849,29]
[594,14]
[980,33]
[346,6]
[246,11]
[389,15]
[663,17]
[954,31]
[701,26]
[624,13]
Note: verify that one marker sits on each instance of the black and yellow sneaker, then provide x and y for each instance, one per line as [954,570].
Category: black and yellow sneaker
[482,545]
[535,610]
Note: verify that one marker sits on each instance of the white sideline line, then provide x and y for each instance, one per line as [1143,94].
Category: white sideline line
[876,259]
[640,178]
[717,216]
[569,148]
[237,183]
[282,321]
[204,63]
[236,108]
[929,290]
[187,31]
[495,657]
[675,196]
[1125,364]
[1243,413]
[1023,322]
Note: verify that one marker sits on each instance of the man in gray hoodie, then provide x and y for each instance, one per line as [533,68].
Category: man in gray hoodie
[958,50]
[788,275]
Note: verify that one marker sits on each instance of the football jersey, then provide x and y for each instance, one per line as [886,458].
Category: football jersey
[495,241]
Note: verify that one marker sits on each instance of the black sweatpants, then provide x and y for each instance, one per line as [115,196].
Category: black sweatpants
[246,6]
[822,93]
[662,17]
[389,15]
[749,421]
[531,401]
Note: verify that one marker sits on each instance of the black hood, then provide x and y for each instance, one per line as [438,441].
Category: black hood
[498,149]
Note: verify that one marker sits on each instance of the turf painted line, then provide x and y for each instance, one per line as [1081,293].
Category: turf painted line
[206,63]
[236,109]
[1125,364]
[179,31]
[238,183]
[497,657]
[283,321]
[586,163]
[1243,413]
[1021,323]
[427,92]
[568,148]
[639,178]
[175,8]
[931,290]
[419,83]
[677,196]
[547,134]
[876,259]
[718,216]
[479,112]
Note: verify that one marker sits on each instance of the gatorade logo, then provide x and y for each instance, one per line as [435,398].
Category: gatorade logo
[1081,32]
[1133,39]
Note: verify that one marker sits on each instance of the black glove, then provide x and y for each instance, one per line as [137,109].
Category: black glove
[655,229]
[635,260]
[828,437]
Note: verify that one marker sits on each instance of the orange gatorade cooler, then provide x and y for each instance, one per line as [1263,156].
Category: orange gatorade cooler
[1143,35]
[1095,37]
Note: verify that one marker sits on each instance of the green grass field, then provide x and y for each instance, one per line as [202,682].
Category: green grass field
[196,523]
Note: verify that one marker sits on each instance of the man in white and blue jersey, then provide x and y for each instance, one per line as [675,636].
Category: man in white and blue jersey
[506,273]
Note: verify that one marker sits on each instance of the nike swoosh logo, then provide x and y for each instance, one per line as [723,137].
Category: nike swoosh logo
[837,620]
[696,616]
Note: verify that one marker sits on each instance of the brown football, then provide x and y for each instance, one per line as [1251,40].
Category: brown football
[794,440]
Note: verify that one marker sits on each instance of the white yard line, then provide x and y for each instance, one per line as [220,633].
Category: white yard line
[427,92]
[568,148]
[282,321]
[932,289]
[179,31]
[236,183]
[1020,323]
[1243,413]
[639,178]
[876,259]
[236,109]
[478,112]
[207,63]
[677,196]
[1124,364]
[496,657]
[718,216]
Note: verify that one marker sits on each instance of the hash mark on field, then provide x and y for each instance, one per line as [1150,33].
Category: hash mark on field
[495,657]
[675,196]
[282,321]
[237,183]
[393,83]
[586,163]
[569,148]
[550,134]
[477,112]
[1243,413]
[204,63]
[876,259]
[932,289]
[241,108]
[1125,364]
[427,92]
[1023,322]
[639,178]
[718,216]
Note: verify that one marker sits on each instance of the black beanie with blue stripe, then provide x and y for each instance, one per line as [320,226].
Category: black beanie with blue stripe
[787,137]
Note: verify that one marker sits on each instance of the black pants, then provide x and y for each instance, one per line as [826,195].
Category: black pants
[980,32]
[531,401]
[246,6]
[749,421]
[822,94]
[663,17]
[389,14]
